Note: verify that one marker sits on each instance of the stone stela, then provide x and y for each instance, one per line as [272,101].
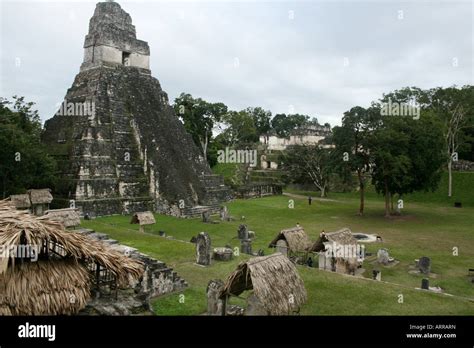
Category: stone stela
[203,249]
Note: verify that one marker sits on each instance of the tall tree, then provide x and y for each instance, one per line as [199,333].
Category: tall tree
[283,124]
[240,130]
[308,163]
[352,141]
[199,118]
[261,119]
[455,107]
[408,156]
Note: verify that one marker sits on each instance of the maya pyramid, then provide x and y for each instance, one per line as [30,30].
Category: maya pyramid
[125,150]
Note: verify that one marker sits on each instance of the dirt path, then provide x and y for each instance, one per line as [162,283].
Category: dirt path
[294,195]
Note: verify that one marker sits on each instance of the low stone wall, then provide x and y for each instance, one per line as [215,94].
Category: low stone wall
[463,166]
[106,206]
[258,190]
[158,279]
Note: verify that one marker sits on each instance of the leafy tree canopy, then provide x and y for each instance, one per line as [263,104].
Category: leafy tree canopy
[24,162]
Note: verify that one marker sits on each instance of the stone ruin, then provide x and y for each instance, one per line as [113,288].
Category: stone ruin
[377,275]
[383,257]
[203,249]
[214,304]
[245,241]
[224,214]
[120,145]
[206,217]
[223,254]
[425,284]
[158,279]
[243,232]
[246,246]
[424,265]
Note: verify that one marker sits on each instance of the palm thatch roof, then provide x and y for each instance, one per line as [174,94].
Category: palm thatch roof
[69,217]
[274,280]
[62,253]
[44,288]
[143,218]
[42,196]
[21,201]
[341,237]
[296,237]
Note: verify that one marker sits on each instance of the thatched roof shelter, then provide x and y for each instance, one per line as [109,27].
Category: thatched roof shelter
[341,237]
[274,280]
[59,282]
[143,218]
[21,201]
[338,251]
[42,196]
[296,238]
[69,217]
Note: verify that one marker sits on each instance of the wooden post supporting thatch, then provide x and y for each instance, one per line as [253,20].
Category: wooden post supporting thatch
[224,305]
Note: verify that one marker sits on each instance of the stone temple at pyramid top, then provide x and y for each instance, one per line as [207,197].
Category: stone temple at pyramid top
[112,40]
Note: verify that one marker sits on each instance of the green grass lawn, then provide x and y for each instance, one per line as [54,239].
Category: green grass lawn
[463,191]
[430,229]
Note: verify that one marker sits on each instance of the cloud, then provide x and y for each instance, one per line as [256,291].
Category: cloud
[322,58]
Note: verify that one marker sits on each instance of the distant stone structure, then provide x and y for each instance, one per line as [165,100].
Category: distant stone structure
[257,190]
[308,135]
[463,166]
[120,146]
[311,134]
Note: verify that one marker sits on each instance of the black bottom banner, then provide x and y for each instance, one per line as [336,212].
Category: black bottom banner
[165,331]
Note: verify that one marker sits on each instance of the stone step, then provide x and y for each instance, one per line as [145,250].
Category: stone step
[99,236]
[110,241]
[212,180]
[198,210]
[85,231]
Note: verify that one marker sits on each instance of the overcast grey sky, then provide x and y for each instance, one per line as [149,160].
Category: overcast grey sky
[316,57]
